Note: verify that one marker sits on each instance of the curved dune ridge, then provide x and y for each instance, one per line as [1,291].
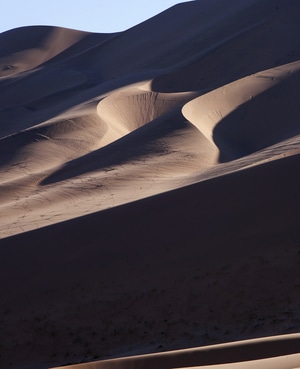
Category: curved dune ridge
[149,191]
[227,116]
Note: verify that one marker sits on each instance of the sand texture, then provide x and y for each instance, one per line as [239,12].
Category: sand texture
[150,191]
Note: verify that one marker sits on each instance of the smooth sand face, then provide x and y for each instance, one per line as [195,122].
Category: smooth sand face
[149,191]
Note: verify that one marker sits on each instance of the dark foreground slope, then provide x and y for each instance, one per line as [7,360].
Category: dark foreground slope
[172,271]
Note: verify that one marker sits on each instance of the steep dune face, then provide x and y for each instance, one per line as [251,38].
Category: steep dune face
[134,108]
[228,116]
[149,190]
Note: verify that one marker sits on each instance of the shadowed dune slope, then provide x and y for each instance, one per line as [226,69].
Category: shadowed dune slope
[229,275]
[245,354]
[26,48]
[149,191]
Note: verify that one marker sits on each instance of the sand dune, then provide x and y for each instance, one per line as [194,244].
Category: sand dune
[29,47]
[149,191]
[228,116]
[245,354]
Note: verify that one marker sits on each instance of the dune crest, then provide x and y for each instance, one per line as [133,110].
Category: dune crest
[149,191]
[272,92]
[26,48]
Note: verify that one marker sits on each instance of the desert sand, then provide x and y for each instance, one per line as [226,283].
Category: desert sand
[149,191]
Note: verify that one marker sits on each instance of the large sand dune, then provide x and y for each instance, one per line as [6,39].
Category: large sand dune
[149,191]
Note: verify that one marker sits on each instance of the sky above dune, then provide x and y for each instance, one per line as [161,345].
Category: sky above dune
[87,15]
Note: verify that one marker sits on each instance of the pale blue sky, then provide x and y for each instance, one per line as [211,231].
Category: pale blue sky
[87,15]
